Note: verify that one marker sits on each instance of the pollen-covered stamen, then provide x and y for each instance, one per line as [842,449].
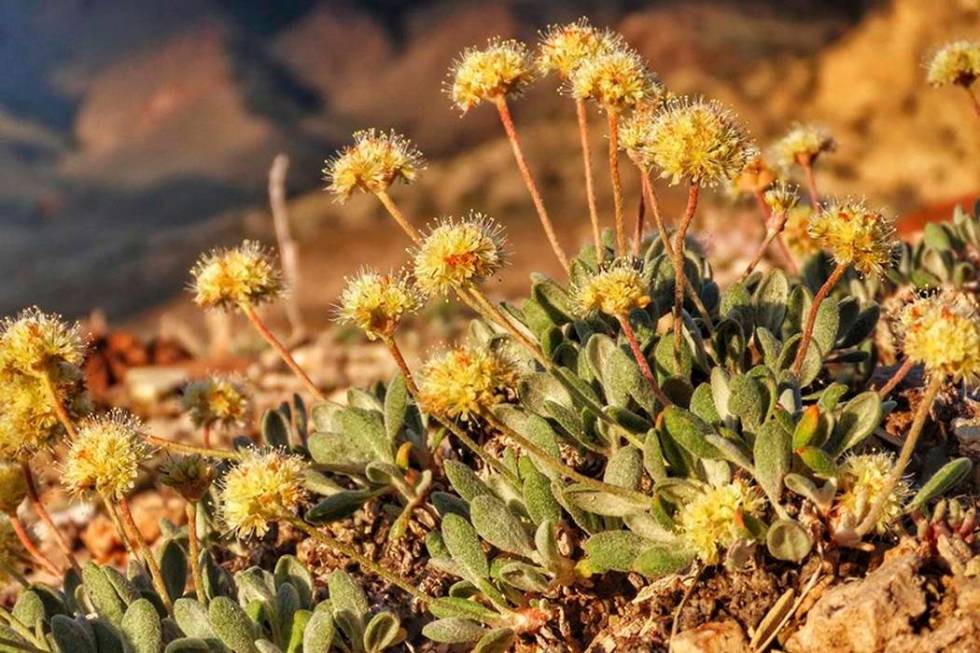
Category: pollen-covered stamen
[502,68]
[245,275]
[457,254]
[465,380]
[855,235]
[377,302]
[372,164]
[942,332]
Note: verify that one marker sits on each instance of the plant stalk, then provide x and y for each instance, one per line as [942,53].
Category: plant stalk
[194,552]
[25,539]
[772,233]
[151,562]
[638,228]
[508,122]
[34,497]
[583,132]
[641,360]
[399,217]
[908,447]
[190,449]
[897,377]
[287,357]
[811,317]
[680,277]
[617,183]
[396,354]
[787,255]
[811,185]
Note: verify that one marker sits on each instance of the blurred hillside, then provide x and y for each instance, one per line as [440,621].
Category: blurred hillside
[133,135]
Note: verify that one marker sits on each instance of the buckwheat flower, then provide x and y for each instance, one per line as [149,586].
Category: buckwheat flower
[189,476]
[862,481]
[465,380]
[377,302]
[504,67]
[28,422]
[636,137]
[855,235]
[955,63]
[615,290]
[700,141]
[796,233]
[374,162]
[563,48]
[457,254]
[215,400]
[13,487]
[226,278]
[942,332]
[37,343]
[713,521]
[264,487]
[106,455]
[616,80]
[782,197]
[802,145]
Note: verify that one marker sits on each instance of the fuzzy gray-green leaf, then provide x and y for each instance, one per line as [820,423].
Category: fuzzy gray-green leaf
[613,550]
[142,628]
[453,631]
[319,633]
[464,546]
[496,524]
[232,625]
[788,540]
[942,481]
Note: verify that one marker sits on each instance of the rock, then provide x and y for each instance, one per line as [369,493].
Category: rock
[957,632]
[865,615]
[713,637]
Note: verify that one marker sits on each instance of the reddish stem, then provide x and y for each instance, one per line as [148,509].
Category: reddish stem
[811,317]
[583,131]
[287,357]
[896,378]
[679,277]
[811,185]
[641,360]
[617,183]
[34,497]
[25,539]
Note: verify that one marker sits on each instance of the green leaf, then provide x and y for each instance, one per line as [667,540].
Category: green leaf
[788,540]
[319,633]
[770,300]
[819,461]
[192,618]
[338,451]
[188,645]
[772,456]
[455,607]
[367,427]
[382,631]
[825,326]
[290,570]
[108,638]
[661,560]
[71,636]
[625,468]
[346,594]
[338,506]
[942,481]
[174,567]
[749,400]
[653,457]
[603,503]
[496,641]
[102,594]
[396,407]
[496,524]
[300,621]
[142,628]
[613,550]
[858,419]
[689,432]
[807,428]
[453,631]
[540,502]
[275,429]
[465,481]
[464,546]
[232,625]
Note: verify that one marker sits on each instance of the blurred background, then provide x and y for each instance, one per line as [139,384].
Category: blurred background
[134,135]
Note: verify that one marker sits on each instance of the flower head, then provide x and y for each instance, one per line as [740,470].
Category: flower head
[13,487]
[862,479]
[466,379]
[955,63]
[796,233]
[942,332]
[636,137]
[616,79]
[232,277]
[563,48]
[377,302]
[615,290]
[802,145]
[855,235]
[28,422]
[262,488]
[215,400]
[374,162]
[458,253]
[502,68]
[714,520]
[782,197]
[756,177]
[190,476]
[105,456]
[700,141]
[37,343]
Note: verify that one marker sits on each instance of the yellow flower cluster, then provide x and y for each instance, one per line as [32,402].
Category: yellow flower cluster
[458,253]
[942,332]
[862,480]
[374,162]
[244,275]
[377,302]
[802,145]
[700,141]
[262,488]
[615,290]
[781,198]
[13,487]
[955,63]
[713,521]
[563,48]
[37,349]
[465,379]
[796,233]
[617,80]
[215,400]
[636,137]
[502,68]
[855,235]
[105,456]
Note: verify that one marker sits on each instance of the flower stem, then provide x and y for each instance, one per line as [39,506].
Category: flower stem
[396,354]
[399,217]
[908,447]
[194,552]
[558,466]
[612,118]
[787,255]
[151,562]
[811,185]
[896,378]
[190,449]
[772,233]
[366,563]
[641,360]
[59,407]
[35,500]
[532,188]
[25,539]
[811,317]
[206,434]
[583,132]
[638,228]
[492,313]
[287,358]
[974,100]
[117,523]
[679,275]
